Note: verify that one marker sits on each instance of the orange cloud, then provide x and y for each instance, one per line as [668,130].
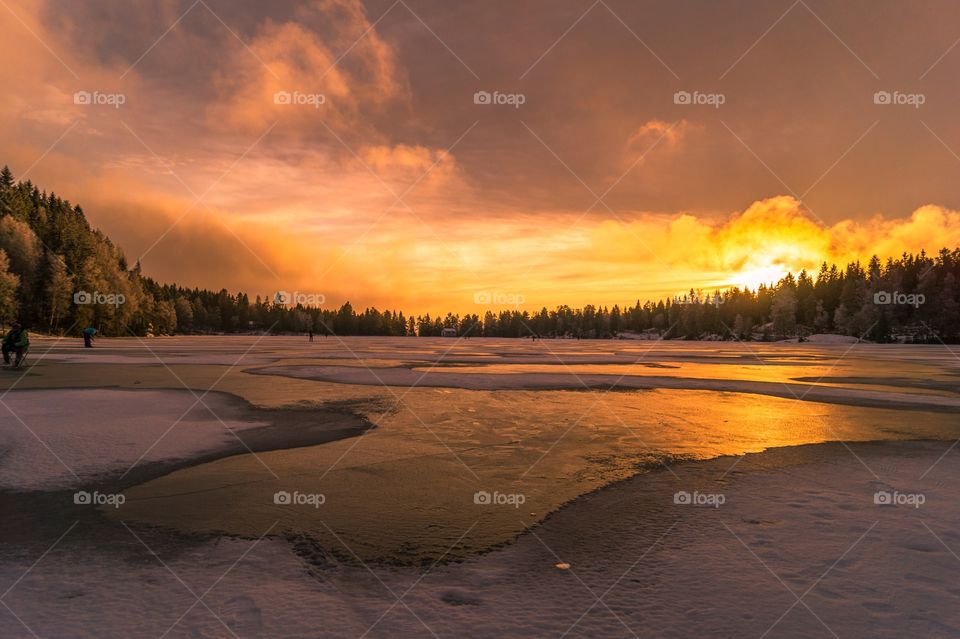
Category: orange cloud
[670,134]
[294,72]
[770,238]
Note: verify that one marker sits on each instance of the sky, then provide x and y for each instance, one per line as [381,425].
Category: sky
[431,155]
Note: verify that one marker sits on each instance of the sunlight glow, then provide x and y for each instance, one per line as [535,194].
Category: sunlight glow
[752,278]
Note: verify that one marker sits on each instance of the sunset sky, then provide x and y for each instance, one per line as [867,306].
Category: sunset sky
[400,191]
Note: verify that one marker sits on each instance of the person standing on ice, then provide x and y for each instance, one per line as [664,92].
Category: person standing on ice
[88,334]
[16,341]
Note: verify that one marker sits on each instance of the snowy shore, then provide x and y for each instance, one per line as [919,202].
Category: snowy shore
[68,438]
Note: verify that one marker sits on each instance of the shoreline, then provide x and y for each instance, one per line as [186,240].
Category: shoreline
[316,547]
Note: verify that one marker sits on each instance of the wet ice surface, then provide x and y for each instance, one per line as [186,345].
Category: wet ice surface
[918,362]
[404,493]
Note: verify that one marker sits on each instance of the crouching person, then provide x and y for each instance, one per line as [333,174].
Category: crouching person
[16,342]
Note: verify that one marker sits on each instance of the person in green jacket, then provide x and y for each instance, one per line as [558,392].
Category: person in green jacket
[16,341]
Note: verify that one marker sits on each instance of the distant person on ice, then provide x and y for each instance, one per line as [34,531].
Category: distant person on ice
[16,341]
[88,334]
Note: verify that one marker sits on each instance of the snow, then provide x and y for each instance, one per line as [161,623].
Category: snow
[797,522]
[455,377]
[147,357]
[53,439]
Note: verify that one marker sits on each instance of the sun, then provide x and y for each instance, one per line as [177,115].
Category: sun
[752,277]
[770,265]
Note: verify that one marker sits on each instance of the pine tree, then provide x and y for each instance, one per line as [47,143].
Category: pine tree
[783,312]
[6,178]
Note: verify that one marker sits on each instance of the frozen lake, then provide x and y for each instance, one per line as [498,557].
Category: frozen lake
[397,453]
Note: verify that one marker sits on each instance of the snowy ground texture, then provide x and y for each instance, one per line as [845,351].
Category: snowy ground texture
[798,548]
[65,438]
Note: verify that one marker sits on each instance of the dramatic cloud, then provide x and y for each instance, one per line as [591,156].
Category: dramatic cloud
[759,245]
[335,146]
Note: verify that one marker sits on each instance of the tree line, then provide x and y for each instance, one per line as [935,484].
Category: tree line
[59,275]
